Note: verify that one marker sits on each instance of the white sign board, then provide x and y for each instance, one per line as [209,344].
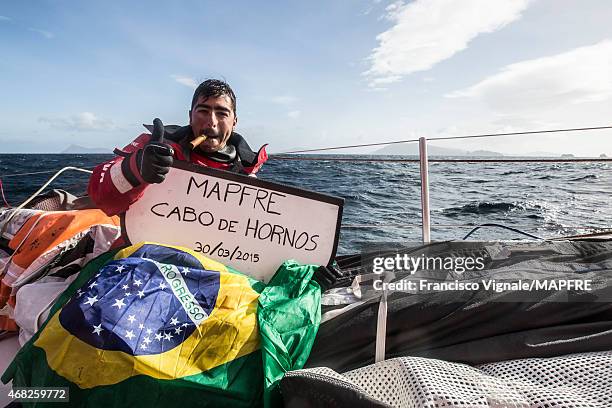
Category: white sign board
[246,223]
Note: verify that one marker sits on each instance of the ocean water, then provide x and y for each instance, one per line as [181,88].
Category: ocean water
[382,199]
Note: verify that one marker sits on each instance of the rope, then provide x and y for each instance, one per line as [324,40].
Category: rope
[504,227]
[2,191]
[532,132]
[381,328]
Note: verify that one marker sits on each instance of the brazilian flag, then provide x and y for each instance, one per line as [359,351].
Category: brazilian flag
[153,325]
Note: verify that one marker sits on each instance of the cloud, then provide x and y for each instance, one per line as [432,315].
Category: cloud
[5,18]
[427,32]
[84,122]
[572,89]
[294,114]
[187,81]
[284,99]
[550,83]
[47,34]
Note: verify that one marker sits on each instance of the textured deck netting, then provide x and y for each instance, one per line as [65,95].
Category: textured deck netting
[573,381]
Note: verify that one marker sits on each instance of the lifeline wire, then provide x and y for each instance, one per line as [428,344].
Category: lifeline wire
[35,172]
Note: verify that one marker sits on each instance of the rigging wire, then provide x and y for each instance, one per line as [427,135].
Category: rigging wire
[531,132]
[386,160]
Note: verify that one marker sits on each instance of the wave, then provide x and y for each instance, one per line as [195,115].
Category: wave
[390,193]
[587,177]
[486,207]
[480,208]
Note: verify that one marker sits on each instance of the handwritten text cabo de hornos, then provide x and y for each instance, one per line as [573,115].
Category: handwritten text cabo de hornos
[238,196]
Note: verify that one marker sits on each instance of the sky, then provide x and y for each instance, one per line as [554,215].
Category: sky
[310,74]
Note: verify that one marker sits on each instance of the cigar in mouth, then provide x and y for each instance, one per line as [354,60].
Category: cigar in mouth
[197,141]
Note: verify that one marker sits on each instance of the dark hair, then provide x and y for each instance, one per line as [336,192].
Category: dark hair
[214,88]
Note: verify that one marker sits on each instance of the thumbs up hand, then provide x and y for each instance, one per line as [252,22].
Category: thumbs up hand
[155,159]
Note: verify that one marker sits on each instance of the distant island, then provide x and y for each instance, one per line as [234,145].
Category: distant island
[409,149]
[485,153]
[76,149]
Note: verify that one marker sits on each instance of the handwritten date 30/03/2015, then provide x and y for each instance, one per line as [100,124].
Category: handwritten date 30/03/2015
[232,254]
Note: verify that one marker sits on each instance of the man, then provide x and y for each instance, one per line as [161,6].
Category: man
[118,183]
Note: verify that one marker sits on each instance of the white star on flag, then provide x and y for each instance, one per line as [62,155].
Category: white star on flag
[174,321]
[97,275]
[162,286]
[140,294]
[127,294]
[143,346]
[185,270]
[158,337]
[129,334]
[125,287]
[120,268]
[91,300]
[185,324]
[141,326]
[177,330]
[98,329]
[93,285]
[149,331]
[131,318]
[79,293]
[167,336]
[146,340]
[137,282]
[119,303]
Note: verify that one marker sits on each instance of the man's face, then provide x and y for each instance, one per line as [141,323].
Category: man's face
[214,118]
